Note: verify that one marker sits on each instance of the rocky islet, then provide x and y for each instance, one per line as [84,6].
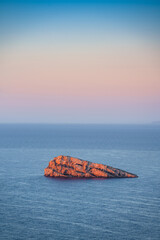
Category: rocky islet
[70,167]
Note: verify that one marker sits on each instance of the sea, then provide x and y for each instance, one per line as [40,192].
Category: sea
[33,206]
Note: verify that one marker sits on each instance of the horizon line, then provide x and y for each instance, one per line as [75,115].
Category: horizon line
[76,123]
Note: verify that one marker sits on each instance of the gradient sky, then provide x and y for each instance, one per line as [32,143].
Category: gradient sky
[79,61]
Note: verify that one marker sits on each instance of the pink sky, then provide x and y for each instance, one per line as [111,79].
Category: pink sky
[108,77]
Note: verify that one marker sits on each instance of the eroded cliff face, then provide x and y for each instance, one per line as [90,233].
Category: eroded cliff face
[66,167]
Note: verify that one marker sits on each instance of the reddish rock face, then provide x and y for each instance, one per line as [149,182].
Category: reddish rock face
[66,167]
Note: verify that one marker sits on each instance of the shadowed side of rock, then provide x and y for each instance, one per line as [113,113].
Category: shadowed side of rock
[67,167]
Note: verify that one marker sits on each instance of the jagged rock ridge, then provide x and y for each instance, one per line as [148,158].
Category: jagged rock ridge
[67,167]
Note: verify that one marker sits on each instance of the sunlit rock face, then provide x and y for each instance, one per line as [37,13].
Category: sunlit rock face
[69,167]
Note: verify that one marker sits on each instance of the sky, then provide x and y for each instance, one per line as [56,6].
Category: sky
[85,61]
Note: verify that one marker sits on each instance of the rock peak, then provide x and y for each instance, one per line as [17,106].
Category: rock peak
[67,167]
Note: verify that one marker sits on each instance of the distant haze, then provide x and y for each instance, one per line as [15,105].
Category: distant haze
[83,62]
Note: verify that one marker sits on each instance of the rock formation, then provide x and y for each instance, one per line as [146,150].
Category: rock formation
[67,167]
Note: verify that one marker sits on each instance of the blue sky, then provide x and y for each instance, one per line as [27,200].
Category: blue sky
[99,58]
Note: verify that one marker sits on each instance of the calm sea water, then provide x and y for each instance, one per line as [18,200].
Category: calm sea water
[35,207]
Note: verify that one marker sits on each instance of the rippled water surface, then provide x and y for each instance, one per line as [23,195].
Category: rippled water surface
[35,207]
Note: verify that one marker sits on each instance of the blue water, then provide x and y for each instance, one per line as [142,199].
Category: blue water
[35,207]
